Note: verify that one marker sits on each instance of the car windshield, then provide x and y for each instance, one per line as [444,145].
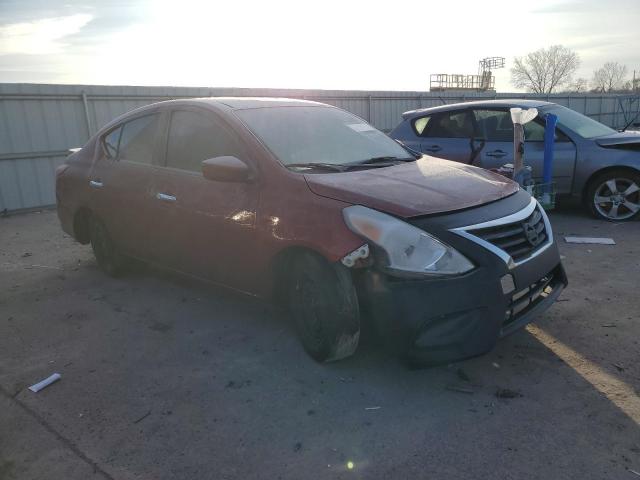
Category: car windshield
[580,124]
[299,135]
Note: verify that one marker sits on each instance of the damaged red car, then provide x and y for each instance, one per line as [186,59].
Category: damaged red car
[310,205]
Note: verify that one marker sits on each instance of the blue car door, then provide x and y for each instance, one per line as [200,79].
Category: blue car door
[496,128]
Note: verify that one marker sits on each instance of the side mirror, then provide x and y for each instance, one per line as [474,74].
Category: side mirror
[226,169]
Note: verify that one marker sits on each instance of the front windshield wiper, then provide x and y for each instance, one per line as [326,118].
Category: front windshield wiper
[318,166]
[413,152]
[386,160]
[373,162]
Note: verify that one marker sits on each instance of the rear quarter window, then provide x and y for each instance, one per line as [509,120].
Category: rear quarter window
[111,141]
[420,124]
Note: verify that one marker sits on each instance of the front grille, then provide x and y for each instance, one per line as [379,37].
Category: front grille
[518,239]
[524,300]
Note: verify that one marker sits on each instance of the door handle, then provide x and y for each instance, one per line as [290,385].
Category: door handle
[165,198]
[496,154]
[433,148]
[96,183]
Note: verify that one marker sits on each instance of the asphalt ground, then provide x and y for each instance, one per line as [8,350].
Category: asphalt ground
[168,378]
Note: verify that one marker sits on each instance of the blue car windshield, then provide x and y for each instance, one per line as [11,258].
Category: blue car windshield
[325,135]
[580,124]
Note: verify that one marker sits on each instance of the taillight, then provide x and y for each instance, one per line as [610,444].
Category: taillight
[61,169]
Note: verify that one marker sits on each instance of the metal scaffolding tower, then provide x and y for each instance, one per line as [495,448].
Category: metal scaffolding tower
[483,82]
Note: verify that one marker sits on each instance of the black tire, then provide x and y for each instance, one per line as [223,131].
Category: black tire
[323,302]
[619,207]
[105,251]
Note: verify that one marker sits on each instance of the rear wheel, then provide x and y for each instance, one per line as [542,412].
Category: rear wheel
[324,304]
[105,251]
[615,195]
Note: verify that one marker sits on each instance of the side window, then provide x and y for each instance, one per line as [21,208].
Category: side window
[495,125]
[420,124]
[138,138]
[194,137]
[534,131]
[451,125]
[111,141]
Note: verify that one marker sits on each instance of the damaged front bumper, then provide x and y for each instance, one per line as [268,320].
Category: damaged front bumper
[442,319]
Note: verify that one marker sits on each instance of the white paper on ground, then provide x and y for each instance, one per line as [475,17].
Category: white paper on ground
[45,383]
[602,241]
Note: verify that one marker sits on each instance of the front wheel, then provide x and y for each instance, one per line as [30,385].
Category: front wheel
[615,195]
[324,304]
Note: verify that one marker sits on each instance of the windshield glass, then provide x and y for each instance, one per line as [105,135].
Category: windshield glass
[580,124]
[326,135]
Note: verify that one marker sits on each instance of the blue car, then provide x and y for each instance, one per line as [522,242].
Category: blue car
[593,162]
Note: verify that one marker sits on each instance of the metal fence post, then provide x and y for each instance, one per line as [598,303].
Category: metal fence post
[369,110]
[600,110]
[85,104]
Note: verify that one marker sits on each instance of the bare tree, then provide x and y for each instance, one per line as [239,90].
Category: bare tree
[579,85]
[609,77]
[545,70]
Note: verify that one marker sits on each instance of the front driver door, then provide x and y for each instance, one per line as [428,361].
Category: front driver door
[208,226]
[448,135]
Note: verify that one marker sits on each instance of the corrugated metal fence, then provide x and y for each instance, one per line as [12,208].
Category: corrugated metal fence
[38,123]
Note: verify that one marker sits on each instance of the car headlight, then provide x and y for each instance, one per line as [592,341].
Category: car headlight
[408,248]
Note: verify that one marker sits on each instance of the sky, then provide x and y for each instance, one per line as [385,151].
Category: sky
[327,44]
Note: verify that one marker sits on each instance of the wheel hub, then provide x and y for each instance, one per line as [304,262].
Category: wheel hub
[617,198]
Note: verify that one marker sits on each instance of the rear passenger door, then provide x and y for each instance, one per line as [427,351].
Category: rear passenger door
[448,135]
[207,226]
[120,181]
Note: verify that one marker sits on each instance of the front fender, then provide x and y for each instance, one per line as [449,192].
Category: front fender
[593,159]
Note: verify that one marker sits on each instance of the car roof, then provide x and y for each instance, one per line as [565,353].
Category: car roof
[242,103]
[216,103]
[507,102]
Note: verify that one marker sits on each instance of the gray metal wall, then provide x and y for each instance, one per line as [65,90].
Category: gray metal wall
[38,123]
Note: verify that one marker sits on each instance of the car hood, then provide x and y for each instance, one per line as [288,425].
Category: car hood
[618,138]
[427,186]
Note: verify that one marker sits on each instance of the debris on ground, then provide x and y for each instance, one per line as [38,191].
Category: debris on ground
[619,367]
[26,254]
[45,383]
[590,240]
[609,325]
[462,375]
[237,385]
[372,408]
[495,365]
[507,393]
[297,447]
[460,388]
[142,417]
[634,472]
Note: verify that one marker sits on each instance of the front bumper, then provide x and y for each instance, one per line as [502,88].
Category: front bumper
[444,319]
